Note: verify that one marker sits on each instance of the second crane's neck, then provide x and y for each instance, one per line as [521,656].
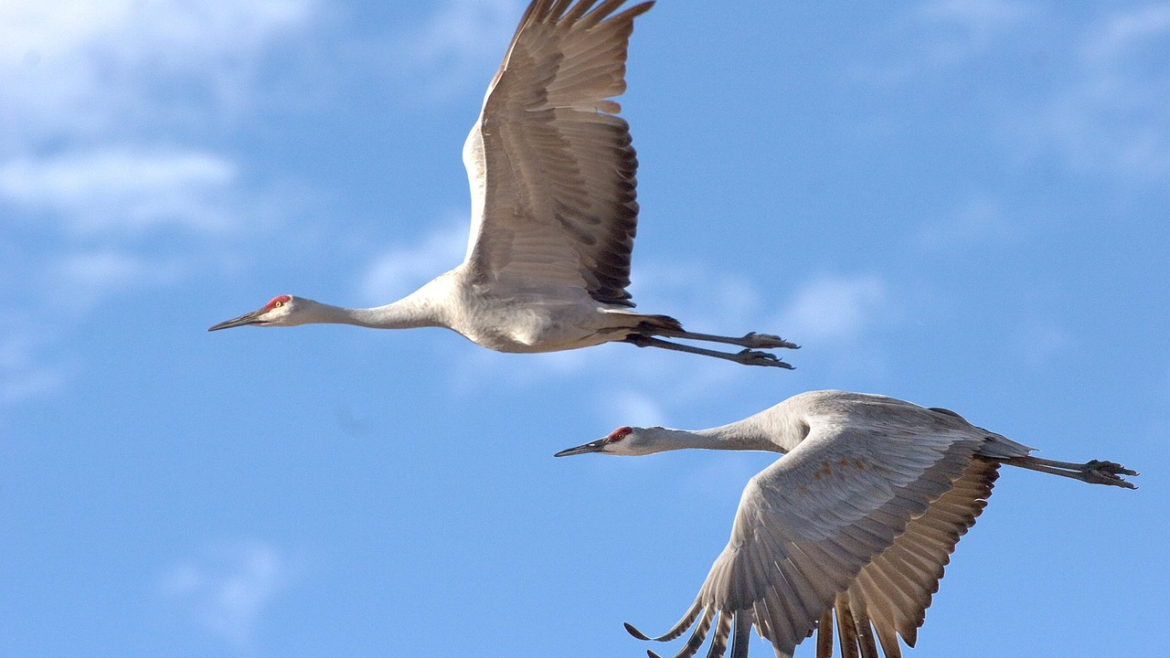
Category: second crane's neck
[736,436]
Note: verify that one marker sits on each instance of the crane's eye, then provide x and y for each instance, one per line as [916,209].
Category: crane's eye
[277,304]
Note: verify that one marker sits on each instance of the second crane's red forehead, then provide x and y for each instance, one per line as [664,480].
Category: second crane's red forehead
[277,301]
[620,433]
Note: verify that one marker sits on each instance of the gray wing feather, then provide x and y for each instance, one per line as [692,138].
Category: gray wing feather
[854,521]
[551,166]
[896,588]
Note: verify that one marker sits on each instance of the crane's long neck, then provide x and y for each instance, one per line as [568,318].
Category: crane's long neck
[735,436]
[416,310]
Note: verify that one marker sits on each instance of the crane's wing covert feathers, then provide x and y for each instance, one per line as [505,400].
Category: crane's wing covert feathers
[551,167]
[853,521]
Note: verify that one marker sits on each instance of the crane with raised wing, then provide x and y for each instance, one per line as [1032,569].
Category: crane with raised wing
[553,208]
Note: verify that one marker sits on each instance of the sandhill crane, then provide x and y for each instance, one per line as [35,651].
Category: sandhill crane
[553,207]
[856,521]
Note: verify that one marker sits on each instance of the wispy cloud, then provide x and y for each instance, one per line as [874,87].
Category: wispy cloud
[943,34]
[122,188]
[978,221]
[704,298]
[88,68]
[978,21]
[80,281]
[101,104]
[24,372]
[1039,341]
[835,308]
[455,42]
[1123,32]
[1115,116]
[401,269]
[635,408]
[227,589]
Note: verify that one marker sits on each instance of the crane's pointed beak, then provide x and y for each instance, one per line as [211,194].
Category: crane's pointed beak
[245,319]
[592,446]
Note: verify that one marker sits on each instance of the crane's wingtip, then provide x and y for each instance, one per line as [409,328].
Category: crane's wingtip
[651,654]
[635,632]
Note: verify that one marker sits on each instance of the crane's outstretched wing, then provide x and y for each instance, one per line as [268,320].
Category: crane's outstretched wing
[852,520]
[551,167]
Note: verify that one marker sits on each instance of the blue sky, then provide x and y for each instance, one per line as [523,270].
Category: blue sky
[961,202]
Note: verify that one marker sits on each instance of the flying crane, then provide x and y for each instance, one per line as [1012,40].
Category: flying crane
[553,209]
[854,523]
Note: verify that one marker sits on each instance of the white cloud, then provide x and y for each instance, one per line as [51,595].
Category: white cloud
[980,20]
[123,188]
[1039,342]
[403,269]
[81,67]
[1127,31]
[227,590]
[635,408]
[979,221]
[23,373]
[704,299]
[1116,118]
[943,34]
[80,281]
[98,101]
[455,42]
[835,308]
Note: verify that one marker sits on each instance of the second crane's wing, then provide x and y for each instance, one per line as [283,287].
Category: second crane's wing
[850,515]
[551,167]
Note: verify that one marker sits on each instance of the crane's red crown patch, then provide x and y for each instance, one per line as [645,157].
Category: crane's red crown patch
[619,434]
[279,300]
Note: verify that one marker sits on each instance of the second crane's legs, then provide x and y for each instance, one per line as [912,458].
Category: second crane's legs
[1093,472]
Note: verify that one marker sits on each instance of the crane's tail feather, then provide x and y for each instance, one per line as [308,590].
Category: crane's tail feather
[742,637]
[658,324]
[719,639]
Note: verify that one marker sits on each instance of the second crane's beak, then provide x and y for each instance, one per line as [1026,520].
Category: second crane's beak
[592,446]
[247,318]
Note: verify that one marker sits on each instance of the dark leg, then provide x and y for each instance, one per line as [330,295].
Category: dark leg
[746,357]
[752,340]
[1093,472]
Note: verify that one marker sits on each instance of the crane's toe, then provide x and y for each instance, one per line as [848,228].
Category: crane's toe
[767,342]
[1104,472]
[754,358]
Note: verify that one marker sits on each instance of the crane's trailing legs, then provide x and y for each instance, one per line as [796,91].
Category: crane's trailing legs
[751,340]
[1093,472]
[747,357]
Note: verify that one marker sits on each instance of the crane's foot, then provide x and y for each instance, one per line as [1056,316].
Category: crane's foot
[1103,472]
[755,358]
[766,342]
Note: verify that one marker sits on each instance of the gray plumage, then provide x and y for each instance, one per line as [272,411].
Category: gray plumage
[852,527]
[553,178]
